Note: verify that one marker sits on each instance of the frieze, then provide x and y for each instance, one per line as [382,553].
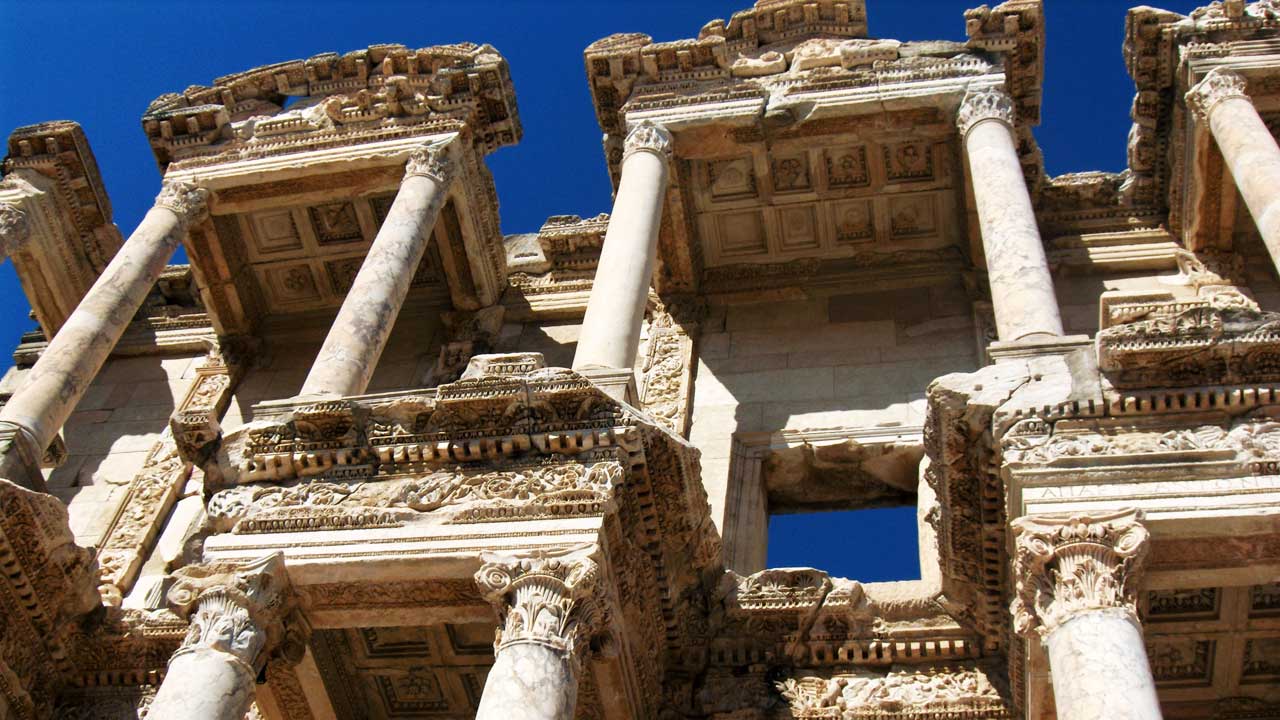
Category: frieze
[964,691]
[1248,442]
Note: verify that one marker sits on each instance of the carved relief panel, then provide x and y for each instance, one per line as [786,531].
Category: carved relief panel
[825,199]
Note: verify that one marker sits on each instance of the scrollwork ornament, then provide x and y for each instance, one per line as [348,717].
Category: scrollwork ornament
[1216,86]
[243,610]
[1067,566]
[988,104]
[549,600]
[15,229]
[430,161]
[189,202]
[648,137]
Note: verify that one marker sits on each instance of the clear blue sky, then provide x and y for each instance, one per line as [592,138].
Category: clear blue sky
[101,63]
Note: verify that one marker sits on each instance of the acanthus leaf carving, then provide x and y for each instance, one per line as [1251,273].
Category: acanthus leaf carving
[185,200]
[1071,565]
[987,104]
[1218,85]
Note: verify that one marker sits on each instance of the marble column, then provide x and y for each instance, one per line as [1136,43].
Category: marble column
[238,619]
[549,610]
[55,384]
[611,329]
[359,334]
[1077,581]
[1249,148]
[1021,286]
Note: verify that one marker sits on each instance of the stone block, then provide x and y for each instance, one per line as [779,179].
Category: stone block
[826,338]
[908,305]
[774,385]
[849,357]
[748,364]
[803,313]
[714,345]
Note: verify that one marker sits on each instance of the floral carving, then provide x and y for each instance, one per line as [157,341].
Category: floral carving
[864,691]
[241,610]
[648,137]
[1217,85]
[1067,566]
[430,161]
[14,228]
[187,201]
[988,104]
[553,601]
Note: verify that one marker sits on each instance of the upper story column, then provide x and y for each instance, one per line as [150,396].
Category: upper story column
[1021,286]
[36,412]
[1077,581]
[611,329]
[549,607]
[1248,147]
[359,334]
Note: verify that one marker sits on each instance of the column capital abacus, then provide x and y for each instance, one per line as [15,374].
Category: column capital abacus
[15,228]
[188,201]
[987,104]
[244,610]
[432,162]
[650,137]
[553,601]
[1216,86]
[1069,565]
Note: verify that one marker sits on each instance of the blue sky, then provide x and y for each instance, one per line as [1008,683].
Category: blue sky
[101,63]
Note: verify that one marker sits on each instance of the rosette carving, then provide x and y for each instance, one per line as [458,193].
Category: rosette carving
[546,600]
[648,137]
[430,161]
[246,611]
[989,104]
[1217,86]
[1066,566]
[189,202]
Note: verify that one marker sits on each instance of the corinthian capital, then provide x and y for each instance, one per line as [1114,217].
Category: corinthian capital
[14,228]
[245,610]
[430,161]
[988,104]
[189,202]
[1066,566]
[1217,86]
[546,600]
[648,137]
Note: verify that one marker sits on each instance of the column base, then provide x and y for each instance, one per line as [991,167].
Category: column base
[619,384]
[1037,347]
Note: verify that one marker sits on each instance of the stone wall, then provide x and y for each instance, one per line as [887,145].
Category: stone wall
[844,360]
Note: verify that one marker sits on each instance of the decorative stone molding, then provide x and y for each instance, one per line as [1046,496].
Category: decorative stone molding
[648,137]
[189,202]
[1068,566]
[243,610]
[905,693]
[554,601]
[195,423]
[15,229]
[432,162]
[1216,86]
[988,104]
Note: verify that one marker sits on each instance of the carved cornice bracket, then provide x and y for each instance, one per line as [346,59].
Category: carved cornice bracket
[988,104]
[648,137]
[189,202]
[549,600]
[247,611]
[1216,86]
[1067,566]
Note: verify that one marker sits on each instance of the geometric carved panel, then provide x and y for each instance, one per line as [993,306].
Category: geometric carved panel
[913,216]
[742,233]
[908,161]
[1181,661]
[1180,605]
[1264,600]
[1262,660]
[847,167]
[292,284]
[791,172]
[855,222]
[335,223]
[799,227]
[276,231]
[729,179]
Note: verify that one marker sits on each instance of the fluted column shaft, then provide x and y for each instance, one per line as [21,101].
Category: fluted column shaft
[615,311]
[549,609]
[1021,287]
[1247,145]
[237,615]
[359,334]
[1077,584]
[60,377]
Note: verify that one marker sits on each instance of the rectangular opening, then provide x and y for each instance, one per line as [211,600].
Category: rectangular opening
[868,545]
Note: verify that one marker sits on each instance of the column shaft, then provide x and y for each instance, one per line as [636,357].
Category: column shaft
[1100,668]
[1248,147]
[76,353]
[204,684]
[1021,287]
[529,681]
[611,329]
[359,334]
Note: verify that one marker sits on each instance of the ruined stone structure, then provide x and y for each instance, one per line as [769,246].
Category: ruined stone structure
[366,457]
